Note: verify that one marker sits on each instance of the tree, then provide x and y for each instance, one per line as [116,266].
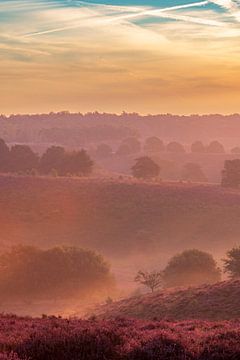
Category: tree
[191,267]
[235,150]
[232,263]
[27,272]
[53,158]
[145,168]
[193,172]
[4,156]
[198,147]
[231,173]
[215,147]
[175,147]
[78,163]
[153,145]
[152,280]
[22,158]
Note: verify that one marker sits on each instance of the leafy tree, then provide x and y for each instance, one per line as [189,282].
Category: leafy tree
[175,147]
[27,272]
[4,156]
[53,158]
[145,168]
[191,267]
[193,172]
[232,262]
[22,158]
[235,150]
[198,147]
[56,159]
[231,173]
[215,147]
[152,280]
[153,145]
[78,163]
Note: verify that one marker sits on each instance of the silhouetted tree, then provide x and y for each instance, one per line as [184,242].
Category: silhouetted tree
[4,156]
[175,147]
[153,145]
[235,150]
[23,159]
[232,263]
[152,280]
[145,168]
[231,173]
[193,172]
[53,158]
[191,267]
[215,147]
[78,163]
[198,147]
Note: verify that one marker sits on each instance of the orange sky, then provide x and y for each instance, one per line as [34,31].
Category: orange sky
[114,58]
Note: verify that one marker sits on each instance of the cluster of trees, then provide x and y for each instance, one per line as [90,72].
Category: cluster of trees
[147,168]
[28,273]
[191,267]
[55,160]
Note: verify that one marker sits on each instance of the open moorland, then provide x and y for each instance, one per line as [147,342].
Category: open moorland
[118,217]
[207,302]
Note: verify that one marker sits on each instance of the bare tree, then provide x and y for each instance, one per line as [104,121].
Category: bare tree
[152,280]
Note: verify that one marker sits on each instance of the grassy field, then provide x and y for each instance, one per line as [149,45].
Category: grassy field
[118,217]
[207,302]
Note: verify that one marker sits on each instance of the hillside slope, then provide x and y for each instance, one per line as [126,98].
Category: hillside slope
[118,217]
[207,302]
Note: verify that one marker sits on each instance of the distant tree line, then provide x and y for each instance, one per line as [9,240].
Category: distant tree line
[153,145]
[55,160]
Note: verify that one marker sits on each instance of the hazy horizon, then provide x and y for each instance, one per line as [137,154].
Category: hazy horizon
[139,56]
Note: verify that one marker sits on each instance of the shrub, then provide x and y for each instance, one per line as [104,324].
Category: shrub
[191,267]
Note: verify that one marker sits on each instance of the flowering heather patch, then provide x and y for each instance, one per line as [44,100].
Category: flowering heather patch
[53,338]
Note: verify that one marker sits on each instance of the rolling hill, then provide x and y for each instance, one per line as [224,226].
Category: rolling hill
[207,302]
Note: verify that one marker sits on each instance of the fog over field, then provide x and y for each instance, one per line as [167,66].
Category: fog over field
[119,180]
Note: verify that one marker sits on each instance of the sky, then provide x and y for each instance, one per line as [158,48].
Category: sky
[145,56]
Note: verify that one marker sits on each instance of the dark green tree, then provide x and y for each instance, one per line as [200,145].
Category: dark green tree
[153,145]
[191,267]
[232,263]
[23,159]
[198,147]
[145,168]
[215,147]
[53,158]
[175,147]
[231,173]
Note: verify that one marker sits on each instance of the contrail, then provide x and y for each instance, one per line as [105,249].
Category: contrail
[152,12]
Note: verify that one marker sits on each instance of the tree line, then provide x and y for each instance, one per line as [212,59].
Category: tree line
[21,159]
